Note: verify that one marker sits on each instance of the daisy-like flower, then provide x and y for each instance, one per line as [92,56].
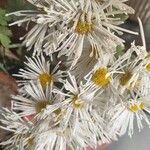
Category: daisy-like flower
[102,75]
[20,137]
[125,112]
[38,69]
[87,28]
[143,74]
[85,21]
[135,72]
[80,113]
[37,103]
[130,67]
[34,102]
[136,68]
[144,65]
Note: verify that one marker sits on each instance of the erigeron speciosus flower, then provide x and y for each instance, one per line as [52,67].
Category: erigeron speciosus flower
[144,65]
[136,68]
[90,58]
[39,69]
[20,137]
[74,114]
[104,72]
[80,112]
[87,28]
[126,111]
[131,70]
[83,21]
[34,102]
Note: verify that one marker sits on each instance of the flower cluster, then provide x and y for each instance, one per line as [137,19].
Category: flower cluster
[77,90]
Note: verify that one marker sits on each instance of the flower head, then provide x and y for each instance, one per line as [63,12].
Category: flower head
[125,112]
[38,69]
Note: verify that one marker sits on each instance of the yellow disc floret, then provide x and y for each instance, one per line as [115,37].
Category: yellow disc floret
[83,28]
[41,105]
[141,106]
[136,107]
[30,142]
[45,79]
[148,67]
[100,77]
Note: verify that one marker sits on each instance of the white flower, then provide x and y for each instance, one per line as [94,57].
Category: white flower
[83,31]
[143,66]
[84,21]
[129,68]
[125,112]
[80,114]
[34,102]
[104,72]
[38,69]
[19,129]
[135,69]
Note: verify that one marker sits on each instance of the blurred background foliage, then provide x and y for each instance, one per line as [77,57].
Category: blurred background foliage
[11,50]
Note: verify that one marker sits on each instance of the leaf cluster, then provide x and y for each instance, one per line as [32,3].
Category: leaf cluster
[5,32]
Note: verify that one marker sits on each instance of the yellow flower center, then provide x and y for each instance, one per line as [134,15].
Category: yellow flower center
[100,77]
[148,67]
[45,79]
[125,77]
[141,106]
[41,105]
[83,28]
[76,103]
[134,108]
[30,142]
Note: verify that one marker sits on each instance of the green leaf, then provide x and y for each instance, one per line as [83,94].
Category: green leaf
[119,50]
[3,18]
[5,40]
[2,12]
[3,22]
[17,5]
[5,30]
